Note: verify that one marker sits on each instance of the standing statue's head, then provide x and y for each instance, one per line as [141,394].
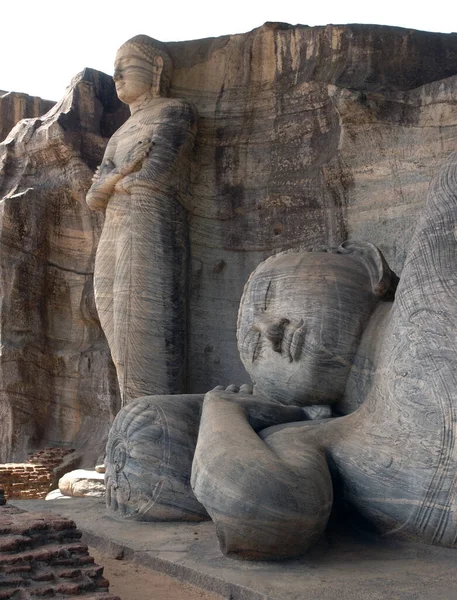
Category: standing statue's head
[142,68]
[302,316]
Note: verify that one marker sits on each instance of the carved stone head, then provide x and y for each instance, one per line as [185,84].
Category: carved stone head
[301,318]
[142,66]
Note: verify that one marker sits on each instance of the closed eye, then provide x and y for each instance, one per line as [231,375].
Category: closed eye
[257,345]
[252,344]
[265,302]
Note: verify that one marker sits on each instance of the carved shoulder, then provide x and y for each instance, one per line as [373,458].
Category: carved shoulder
[181,112]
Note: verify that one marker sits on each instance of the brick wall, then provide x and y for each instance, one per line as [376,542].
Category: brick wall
[35,478]
[41,555]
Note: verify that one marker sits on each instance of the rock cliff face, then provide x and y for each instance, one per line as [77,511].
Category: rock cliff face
[15,106]
[307,136]
[58,385]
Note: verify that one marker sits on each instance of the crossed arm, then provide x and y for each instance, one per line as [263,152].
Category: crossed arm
[265,504]
[107,175]
[151,160]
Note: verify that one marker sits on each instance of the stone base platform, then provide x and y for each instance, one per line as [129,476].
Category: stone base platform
[345,566]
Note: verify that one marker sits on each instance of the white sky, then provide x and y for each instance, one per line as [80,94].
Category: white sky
[43,43]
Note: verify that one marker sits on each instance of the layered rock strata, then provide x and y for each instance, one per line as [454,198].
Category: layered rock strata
[58,385]
[15,106]
[307,136]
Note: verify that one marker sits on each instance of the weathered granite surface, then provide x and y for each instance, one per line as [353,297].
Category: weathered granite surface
[15,106]
[307,136]
[142,262]
[149,459]
[392,461]
[58,385]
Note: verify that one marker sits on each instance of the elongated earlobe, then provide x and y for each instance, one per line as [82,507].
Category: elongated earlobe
[383,280]
[157,76]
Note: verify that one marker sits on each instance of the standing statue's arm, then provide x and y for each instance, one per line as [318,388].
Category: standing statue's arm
[264,506]
[108,175]
[172,137]
[104,179]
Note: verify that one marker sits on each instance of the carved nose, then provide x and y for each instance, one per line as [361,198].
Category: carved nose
[273,331]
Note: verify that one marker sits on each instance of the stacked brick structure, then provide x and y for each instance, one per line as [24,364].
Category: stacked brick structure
[41,555]
[22,480]
[35,478]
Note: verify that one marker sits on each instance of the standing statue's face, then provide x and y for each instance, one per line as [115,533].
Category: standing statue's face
[301,319]
[133,76]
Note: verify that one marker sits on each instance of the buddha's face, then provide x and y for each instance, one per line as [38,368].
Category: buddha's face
[301,319]
[133,76]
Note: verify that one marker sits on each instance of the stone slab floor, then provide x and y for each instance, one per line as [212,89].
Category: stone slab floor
[131,581]
[344,566]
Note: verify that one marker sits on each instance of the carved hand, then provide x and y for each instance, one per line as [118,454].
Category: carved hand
[135,157]
[259,410]
[102,170]
[245,388]
[263,505]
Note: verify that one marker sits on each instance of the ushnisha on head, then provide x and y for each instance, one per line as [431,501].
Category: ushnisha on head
[142,67]
[301,318]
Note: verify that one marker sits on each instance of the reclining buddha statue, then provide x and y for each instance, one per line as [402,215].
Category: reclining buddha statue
[354,398]
[309,328]
[316,329]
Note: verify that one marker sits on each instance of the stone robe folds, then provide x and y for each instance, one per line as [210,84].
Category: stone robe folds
[141,265]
